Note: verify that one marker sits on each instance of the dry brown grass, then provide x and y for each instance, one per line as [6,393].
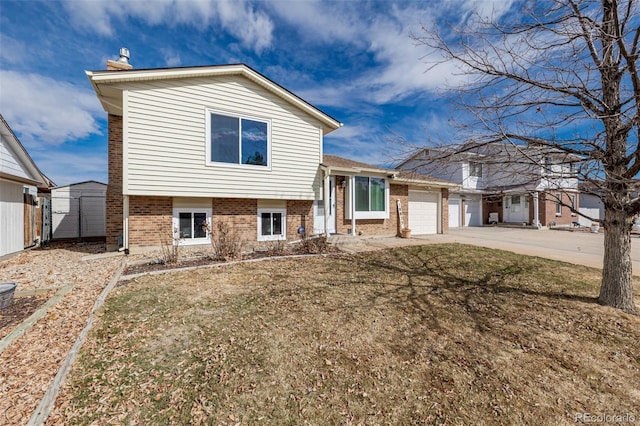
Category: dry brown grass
[446,334]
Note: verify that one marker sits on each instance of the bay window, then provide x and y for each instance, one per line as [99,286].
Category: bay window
[370,198]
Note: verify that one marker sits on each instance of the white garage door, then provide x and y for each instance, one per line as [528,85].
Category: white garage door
[454,213]
[423,212]
[473,212]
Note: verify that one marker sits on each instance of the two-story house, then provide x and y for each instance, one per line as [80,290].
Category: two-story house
[195,145]
[506,184]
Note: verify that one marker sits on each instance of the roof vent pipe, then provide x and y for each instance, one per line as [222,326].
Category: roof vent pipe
[124,55]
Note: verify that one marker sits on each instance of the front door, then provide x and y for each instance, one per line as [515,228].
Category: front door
[516,208]
[331,217]
[318,225]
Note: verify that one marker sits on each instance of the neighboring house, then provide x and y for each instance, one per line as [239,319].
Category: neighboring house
[591,205]
[501,184]
[20,179]
[189,147]
[78,210]
[365,198]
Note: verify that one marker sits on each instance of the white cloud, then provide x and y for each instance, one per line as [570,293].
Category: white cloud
[13,51]
[323,21]
[47,110]
[404,68]
[171,58]
[239,18]
[65,168]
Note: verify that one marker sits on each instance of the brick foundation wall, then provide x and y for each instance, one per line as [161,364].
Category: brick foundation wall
[238,213]
[299,213]
[150,221]
[114,186]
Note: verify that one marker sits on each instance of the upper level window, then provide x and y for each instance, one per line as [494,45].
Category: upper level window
[475,169]
[238,140]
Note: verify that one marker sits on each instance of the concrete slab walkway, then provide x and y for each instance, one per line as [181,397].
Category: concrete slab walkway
[581,248]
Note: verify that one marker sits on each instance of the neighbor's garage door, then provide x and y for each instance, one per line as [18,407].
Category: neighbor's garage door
[423,212]
[473,212]
[454,213]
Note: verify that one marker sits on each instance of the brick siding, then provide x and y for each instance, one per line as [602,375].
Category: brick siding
[114,204]
[150,221]
[445,210]
[299,213]
[240,214]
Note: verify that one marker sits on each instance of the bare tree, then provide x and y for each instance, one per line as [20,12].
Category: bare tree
[560,76]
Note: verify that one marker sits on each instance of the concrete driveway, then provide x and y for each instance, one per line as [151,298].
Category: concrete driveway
[582,248]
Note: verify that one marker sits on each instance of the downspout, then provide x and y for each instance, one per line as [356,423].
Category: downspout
[352,196]
[327,173]
[125,225]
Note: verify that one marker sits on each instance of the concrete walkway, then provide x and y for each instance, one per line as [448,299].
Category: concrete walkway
[582,248]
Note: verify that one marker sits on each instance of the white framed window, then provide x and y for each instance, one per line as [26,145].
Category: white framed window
[558,204]
[192,225]
[370,198]
[573,204]
[475,169]
[238,141]
[272,224]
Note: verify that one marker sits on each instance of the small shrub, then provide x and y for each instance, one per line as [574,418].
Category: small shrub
[226,243]
[170,246]
[314,245]
[276,248]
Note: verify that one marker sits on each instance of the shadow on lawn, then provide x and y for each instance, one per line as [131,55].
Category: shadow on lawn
[433,285]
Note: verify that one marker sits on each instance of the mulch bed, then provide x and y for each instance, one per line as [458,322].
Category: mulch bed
[20,309]
[203,259]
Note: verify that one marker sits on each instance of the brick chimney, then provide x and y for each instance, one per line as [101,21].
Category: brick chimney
[122,63]
[115,198]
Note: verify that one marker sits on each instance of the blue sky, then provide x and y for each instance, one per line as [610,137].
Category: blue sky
[354,60]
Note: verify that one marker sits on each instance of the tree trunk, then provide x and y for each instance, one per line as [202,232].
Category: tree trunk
[617,279]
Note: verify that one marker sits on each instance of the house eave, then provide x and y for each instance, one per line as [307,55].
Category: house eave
[114,105]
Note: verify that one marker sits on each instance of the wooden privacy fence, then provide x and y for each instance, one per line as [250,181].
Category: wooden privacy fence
[30,220]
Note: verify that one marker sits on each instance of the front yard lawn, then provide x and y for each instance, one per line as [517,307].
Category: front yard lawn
[438,334]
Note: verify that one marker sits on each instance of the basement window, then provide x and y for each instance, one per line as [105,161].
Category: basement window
[272,224]
[191,226]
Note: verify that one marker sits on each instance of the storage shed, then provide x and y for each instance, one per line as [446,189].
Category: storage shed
[79,210]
